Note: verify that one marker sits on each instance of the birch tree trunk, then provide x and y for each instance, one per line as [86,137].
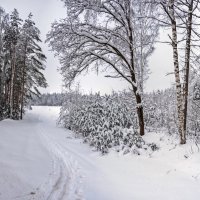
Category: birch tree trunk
[179,95]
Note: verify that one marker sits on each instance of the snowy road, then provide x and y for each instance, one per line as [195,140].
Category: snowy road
[40,161]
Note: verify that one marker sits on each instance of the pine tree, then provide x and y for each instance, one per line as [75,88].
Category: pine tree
[32,60]
[11,40]
[21,64]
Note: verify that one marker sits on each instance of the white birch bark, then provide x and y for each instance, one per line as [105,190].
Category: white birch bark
[179,94]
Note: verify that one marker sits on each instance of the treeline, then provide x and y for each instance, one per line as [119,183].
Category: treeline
[54,99]
[161,112]
[110,121]
[21,63]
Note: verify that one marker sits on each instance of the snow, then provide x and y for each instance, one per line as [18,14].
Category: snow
[41,161]
[21,155]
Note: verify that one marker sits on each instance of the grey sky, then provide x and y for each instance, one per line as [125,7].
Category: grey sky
[47,11]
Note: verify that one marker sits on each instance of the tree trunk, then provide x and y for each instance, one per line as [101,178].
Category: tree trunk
[138,97]
[1,63]
[23,80]
[140,114]
[22,90]
[179,96]
[187,66]
[13,58]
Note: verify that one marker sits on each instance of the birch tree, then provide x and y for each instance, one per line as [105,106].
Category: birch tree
[181,16]
[105,34]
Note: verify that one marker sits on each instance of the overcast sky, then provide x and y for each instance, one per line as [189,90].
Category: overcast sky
[47,11]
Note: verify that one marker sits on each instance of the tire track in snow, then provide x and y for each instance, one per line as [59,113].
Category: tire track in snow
[65,180]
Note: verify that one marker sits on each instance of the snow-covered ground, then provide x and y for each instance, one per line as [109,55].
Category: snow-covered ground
[40,161]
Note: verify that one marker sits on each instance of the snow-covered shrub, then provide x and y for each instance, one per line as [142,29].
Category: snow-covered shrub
[160,111]
[103,121]
[132,142]
[153,146]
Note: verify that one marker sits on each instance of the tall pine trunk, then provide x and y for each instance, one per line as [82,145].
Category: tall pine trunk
[23,88]
[1,64]
[13,60]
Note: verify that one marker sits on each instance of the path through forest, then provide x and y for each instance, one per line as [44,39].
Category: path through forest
[40,161]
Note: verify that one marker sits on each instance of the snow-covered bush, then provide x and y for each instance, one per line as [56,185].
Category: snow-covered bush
[103,121]
[110,121]
[160,111]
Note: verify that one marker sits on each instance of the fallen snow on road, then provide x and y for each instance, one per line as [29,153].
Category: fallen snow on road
[40,161]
